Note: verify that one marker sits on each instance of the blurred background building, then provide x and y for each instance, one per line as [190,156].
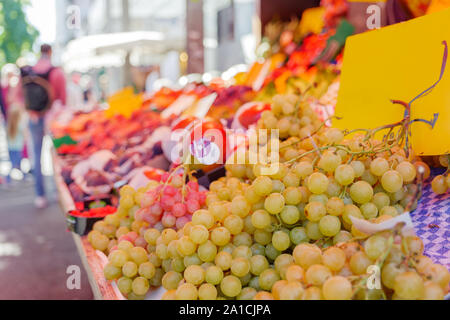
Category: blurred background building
[104,45]
[111,39]
[118,41]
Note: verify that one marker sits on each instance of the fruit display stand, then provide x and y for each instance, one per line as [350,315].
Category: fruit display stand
[336,203]
[92,263]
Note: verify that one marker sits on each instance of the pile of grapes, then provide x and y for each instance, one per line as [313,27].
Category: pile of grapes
[159,204]
[288,235]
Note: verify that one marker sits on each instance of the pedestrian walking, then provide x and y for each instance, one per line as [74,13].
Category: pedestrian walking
[42,85]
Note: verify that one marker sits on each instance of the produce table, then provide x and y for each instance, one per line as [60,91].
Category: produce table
[430,221]
[92,263]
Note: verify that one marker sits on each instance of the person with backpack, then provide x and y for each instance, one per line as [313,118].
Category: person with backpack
[42,85]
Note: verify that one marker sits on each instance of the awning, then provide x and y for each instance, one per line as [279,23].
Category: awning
[109,50]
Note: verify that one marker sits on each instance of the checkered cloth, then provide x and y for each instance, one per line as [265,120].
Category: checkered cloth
[432,224]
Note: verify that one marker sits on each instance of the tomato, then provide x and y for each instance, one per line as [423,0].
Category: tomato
[252,114]
[183,122]
[286,38]
[210,131]
[154,174]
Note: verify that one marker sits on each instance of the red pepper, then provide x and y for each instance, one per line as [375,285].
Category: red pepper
[94,213]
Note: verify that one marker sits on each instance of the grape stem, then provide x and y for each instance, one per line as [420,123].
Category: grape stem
[166,183]
[312,135]
[418,191]
[343,193]
[301,99]
[183,188]
[350,159]
[382,147]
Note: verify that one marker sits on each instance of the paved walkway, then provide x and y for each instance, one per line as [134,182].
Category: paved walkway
[35,248]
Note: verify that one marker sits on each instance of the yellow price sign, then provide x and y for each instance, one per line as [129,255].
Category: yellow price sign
[312,20]
[402,62]
[124,102]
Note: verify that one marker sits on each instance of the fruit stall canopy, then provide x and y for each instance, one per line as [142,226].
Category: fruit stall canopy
[109,50]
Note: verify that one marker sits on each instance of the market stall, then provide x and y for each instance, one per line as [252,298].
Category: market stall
[180,195]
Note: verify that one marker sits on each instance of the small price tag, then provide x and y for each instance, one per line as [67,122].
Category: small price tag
[178,106]
[201,109]
[262,75]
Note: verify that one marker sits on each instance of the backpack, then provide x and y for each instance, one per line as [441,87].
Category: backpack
[36,89]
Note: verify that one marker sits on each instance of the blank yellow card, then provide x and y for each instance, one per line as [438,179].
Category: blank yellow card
[399,62]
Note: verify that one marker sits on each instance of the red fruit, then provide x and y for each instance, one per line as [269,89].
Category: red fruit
[177,197]
[167,202]
[168,220]
[140,242]
[193,195]
[159,189]
[181,222]
[156,209]
[192,205]
[152,219]
[213,131]
[192,185]
[148,199]
[139,215]
[286,38]
[252,114]
[183,122]
[125,237]
[133,236]
[165,176]
[202,198]
[154,174]
[170,190]
[114,248]
[75,213]
[179,209]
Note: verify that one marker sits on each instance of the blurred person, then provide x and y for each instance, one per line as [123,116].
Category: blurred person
[15,133]
[43,86]
[74,92]
[10,82]
[151,78]
[89,97]
[170,67]
[12,97]
[2,104]
[3,107]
